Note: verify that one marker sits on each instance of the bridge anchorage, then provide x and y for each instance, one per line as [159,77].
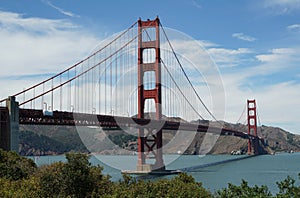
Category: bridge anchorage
[78,83]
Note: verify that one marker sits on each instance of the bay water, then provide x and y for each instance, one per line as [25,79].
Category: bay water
[258,170]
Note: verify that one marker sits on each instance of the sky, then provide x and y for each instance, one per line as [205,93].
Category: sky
[254,43]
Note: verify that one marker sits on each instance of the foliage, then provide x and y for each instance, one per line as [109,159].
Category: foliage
[61,141]
[15,167]
[70,138]
[78,178]
[290,138]
[287,188]
[244,191]
[50,179]
[182,185]
[40,142]
[120,139]
[19,188]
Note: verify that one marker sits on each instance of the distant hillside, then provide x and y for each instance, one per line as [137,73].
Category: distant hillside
[277,140]
[34,144]
[280,140]
[51,140]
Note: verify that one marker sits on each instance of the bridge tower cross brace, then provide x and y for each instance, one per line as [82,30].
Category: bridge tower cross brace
[149,140]
[252,127]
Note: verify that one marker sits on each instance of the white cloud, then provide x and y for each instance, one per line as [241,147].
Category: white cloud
[70,14]
[283,2]
[38,46]
[243,37]
[13,22]
[196,4]
[277,104]
[228,57]
[277,60]
[191,52]
[294,27]
[281,7]
[207,44]
[279,54]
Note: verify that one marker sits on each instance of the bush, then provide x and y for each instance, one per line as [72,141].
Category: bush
[19,188]
[78,178]
[287,188]
[15,167]
[50,179]
[182,185]
[75,178]
[244,191]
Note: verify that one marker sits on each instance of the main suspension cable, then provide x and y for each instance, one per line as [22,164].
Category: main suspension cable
[180,89]
[199,98]
[75,65]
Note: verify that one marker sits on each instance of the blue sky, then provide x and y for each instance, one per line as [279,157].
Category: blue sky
[256,44]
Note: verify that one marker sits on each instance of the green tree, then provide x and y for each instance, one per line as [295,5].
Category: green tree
[182,185]
[287,188]
[244,191]
[19,188]
[75,178]
[15,167]
[51,179]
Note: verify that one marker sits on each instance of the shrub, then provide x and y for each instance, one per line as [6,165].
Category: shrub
[287,188]
[75,178]
[15,167]
[244,191]
[182,185]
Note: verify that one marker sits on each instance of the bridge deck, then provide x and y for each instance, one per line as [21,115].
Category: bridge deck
[36,117]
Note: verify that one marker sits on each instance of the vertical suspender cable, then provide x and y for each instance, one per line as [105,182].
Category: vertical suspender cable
[24,98]
[69,93]
[75,92]
[34,97]
[86,97]
[82,90]
[105,87]
[116,82]
[87,84]
[123,87]
[52,103]
[197,95]
[111,100]
[31,104]
[99,93]
[93,86]
[43,96]
[60,105]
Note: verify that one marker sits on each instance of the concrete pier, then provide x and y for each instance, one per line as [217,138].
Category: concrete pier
[4,129]
[13,109]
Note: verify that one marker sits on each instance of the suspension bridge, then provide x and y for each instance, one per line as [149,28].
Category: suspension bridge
[134,80]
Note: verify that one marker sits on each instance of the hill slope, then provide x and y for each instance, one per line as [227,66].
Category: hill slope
[278,140]
[47,140]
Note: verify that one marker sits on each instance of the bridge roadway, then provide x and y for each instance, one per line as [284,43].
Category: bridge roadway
[37,117]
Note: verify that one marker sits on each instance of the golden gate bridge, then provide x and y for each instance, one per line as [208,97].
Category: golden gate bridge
[134,80]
